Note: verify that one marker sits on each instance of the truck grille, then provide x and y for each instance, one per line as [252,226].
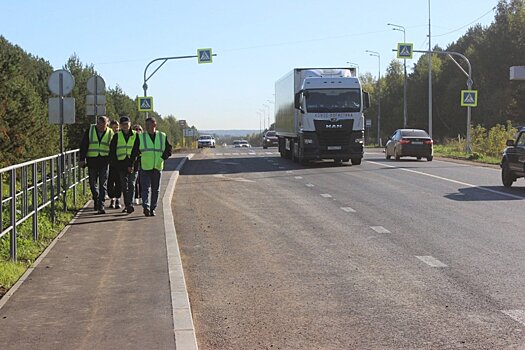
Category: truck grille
[334,133]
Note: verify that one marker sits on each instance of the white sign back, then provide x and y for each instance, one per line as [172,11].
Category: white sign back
[68,82]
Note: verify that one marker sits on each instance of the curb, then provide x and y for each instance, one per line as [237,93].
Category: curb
[183,328]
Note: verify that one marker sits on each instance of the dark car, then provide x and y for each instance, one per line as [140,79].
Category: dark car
[513,160]
[270,139]
[409,143]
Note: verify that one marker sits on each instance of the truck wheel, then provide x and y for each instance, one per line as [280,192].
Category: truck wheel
[356,161]
[387,156]
[346,160]
[506,175]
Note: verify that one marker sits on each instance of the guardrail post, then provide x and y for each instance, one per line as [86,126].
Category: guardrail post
[35,201]
[52,190]
[12,186]
[75,179]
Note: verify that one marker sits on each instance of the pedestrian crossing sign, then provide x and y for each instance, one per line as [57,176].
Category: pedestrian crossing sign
[204,56]
[405,50]
[469,98]
[145,104]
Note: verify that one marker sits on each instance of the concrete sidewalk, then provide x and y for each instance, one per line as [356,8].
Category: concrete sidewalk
[110,282]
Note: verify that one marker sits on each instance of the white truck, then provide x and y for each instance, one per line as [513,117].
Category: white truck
[319,115]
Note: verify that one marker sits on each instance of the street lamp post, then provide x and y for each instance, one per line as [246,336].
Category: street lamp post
[405,112]
[270,102]
[354,65]
[376,54]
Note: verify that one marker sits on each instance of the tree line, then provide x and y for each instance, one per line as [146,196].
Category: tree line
[25,132]
[491,50]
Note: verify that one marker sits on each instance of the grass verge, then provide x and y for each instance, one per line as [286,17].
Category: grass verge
[452,152]
[28,250]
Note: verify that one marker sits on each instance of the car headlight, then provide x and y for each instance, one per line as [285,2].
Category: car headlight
[359,140]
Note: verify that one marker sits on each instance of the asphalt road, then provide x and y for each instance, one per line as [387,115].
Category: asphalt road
[384,255]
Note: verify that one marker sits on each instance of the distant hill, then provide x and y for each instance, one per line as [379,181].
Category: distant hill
[237,133]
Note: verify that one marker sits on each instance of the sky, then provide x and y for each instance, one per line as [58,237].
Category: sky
[256,42]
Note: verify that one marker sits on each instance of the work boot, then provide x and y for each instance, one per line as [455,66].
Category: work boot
[146,212]
[112,205]
[130,209]
[117,204]
[101,211]
[152,213]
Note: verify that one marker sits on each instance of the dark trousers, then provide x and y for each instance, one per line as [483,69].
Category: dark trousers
[114,183]
[127,181]
[98,179]
[150,179]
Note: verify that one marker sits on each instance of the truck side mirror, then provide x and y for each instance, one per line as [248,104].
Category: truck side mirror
[366,99]
[510,143]
[297,101]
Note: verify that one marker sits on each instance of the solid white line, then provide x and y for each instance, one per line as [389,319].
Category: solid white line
[183,327]
[268,152]
[326,195]
[379,229]
[348,209]
[298,177]
[450,180]
[431,261]
[516,315]
[219,154]
[289,171]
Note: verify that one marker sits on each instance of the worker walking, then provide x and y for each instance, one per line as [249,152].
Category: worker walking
[120,156]
[153,148]
[94,152]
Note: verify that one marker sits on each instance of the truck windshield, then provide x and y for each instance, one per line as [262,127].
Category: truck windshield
[333,100]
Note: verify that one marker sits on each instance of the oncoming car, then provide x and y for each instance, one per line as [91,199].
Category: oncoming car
[409,143]
[241,143]
[206,141]
[270,139]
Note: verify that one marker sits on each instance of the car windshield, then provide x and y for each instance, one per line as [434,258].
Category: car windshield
[414,133]
[333,100]
[205,137]
[270,133]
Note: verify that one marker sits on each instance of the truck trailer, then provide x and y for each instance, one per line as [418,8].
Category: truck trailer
[319,115]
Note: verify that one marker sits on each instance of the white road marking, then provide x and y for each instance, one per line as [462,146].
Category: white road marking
[299,177]
[516,315]
[310,185]
[219,154]
[289,171]
[379,229]
[235,154]
[238,179]
[431,261]
[269,153]
[348,209]
[450,180]
[326,195]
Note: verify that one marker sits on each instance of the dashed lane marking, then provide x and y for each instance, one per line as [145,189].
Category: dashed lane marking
[298,177]
[348,209]
[516,315]
[326,195]
[379,229]
[431,261]
[310,185]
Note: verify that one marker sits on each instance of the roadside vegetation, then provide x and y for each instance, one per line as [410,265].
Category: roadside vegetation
[28,249]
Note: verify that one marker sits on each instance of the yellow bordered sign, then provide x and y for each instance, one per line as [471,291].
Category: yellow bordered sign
[204,56]
[145,104]
[469,98]
[405,50]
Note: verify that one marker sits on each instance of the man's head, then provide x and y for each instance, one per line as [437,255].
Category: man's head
[151,125]
[114,125]
[102,123]
[125,124]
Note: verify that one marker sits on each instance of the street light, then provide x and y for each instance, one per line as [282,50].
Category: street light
[354,65]
[272,103]
[376,54]
[405,113]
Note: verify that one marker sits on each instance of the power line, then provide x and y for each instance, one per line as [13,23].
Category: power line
[466,25]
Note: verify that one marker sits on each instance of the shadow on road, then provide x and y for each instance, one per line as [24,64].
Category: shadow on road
[487,193]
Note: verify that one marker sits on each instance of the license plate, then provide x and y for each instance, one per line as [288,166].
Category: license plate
[333,148]
[417,142]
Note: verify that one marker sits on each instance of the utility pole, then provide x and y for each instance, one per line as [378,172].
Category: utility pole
[429,75]
[376,54]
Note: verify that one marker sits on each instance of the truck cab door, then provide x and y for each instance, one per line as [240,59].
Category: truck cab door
[516,155]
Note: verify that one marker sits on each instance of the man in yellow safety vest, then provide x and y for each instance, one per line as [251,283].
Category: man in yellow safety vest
[94,152]
[120,157]
[153,148]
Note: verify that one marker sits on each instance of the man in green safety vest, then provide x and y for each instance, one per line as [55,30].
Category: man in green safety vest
[153,148]
[120,157]
[94,152]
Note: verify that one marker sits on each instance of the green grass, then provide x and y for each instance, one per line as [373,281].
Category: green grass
[28,250]
[452,152]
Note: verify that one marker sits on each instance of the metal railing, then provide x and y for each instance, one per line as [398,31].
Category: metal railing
[35,185]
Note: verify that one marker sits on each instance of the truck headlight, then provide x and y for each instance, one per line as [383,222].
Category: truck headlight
[359,140]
